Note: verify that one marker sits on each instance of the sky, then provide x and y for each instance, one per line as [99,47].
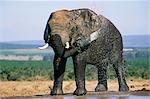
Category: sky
[26,19]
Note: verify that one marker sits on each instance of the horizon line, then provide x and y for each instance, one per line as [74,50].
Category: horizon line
[43,39]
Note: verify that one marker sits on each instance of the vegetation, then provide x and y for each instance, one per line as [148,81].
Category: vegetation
[138,69]
[43,70]
[24,70]
[136,62]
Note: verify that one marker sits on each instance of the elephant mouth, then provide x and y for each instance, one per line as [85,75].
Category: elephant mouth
[44,46]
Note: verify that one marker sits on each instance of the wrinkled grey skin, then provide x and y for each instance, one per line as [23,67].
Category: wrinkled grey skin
[106,49]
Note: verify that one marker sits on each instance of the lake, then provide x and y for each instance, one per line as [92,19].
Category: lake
[92,95]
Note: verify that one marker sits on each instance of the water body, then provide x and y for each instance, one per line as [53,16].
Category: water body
[91,95]
[83,97]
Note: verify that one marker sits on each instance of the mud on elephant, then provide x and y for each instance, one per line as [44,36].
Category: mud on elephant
[89,39]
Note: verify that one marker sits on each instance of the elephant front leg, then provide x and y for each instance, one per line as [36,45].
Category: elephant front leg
[59,69]
[102,78]
[79,69]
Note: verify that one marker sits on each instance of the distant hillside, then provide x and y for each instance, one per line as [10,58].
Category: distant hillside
[128,41]
[17,46]
[136,41]
[29,42]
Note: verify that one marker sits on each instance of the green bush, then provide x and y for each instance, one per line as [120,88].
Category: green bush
[43,70]
[138,69]
[23,70]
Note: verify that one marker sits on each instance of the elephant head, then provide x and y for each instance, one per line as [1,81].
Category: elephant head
[65,27]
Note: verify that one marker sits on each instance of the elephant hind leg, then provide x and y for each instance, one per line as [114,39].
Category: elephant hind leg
[120,72]
[102,78]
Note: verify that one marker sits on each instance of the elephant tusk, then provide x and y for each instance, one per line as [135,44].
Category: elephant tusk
[67,45]
[44,47]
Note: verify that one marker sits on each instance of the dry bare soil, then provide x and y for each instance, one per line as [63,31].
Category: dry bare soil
[30,88]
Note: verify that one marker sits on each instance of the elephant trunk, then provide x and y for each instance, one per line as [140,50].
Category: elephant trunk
[57,45]
[69,53]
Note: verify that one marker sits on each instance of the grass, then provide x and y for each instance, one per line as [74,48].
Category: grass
[43,70]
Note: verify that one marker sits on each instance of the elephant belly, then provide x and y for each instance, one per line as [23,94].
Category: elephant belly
[104,50]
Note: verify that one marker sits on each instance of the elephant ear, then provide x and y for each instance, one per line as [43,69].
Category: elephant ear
[47,32]
[86,15]
[88,22]
[91,19]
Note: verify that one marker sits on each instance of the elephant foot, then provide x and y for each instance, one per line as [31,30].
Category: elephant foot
[56,91]
[123,88]
[100,87]
[80,91]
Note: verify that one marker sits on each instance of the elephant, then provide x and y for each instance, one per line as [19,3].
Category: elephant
[89,39]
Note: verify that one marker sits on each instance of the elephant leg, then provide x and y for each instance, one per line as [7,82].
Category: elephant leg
[102,78]
[59,69]
[79,69]
[119,68]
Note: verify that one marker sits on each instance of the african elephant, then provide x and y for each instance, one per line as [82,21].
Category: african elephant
[91,39]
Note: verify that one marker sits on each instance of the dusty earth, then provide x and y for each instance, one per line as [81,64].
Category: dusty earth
[30,88]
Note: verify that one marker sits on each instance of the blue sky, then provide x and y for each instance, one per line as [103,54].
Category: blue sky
[26,20]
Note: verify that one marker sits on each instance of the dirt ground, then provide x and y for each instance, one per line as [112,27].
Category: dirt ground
[30,88]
